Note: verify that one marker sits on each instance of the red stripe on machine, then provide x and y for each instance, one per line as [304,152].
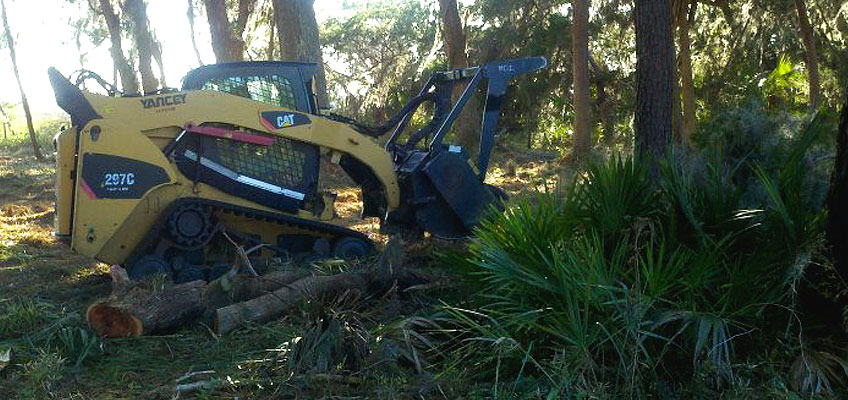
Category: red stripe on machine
[231,134]
[87,190]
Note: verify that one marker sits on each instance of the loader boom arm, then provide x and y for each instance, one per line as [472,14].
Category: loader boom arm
[497,76]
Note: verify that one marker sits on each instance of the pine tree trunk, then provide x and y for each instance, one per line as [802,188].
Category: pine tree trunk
[157,56]
[603,102]
[225,44]
[245,8]
[654,72]
[686,80]
[78,43]
[272,37]
[812,58]
[298,35]
[580,68]
[676,109]
[10,43]
[604,110]
[136,10]
[4,123]
[129,82]
[190,15]
[837,198]
[467,125]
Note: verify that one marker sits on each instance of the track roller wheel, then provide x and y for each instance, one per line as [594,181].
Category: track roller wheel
[149,265]
[191,226]
[190,273]
[349,248]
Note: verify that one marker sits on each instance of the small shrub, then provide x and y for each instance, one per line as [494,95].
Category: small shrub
[41,374]
[78,344]
[621,284]
[818,372]
[20,317]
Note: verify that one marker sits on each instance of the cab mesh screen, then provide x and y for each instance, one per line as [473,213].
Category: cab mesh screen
[271,89]
[281,164]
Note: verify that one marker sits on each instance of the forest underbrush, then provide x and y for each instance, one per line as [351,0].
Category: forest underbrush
[709,279]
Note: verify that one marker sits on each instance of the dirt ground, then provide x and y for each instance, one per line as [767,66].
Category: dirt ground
[45,288]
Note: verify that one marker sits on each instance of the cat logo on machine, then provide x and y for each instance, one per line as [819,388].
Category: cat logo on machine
[283,119]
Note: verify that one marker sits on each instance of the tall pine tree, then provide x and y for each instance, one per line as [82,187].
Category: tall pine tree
[654,79]
[10,43]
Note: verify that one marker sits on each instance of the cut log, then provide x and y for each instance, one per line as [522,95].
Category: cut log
[271,305]
[228,290]
[139,310]
[136,309]
[386,274]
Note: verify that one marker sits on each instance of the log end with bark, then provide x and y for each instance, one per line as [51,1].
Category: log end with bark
[113,322]
[138,308]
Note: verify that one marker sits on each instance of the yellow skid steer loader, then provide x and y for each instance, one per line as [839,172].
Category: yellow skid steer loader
[160,182]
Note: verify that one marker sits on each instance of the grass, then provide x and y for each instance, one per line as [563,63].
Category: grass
[17,140]
[596,284]
[45,288]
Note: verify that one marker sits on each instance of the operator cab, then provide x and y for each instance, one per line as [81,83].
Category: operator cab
[278,83]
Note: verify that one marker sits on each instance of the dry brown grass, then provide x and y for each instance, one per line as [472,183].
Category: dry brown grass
[32,262]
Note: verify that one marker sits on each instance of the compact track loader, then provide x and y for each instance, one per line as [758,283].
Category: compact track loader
[162,182]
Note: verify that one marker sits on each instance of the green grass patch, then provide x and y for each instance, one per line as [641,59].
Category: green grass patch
[22,317]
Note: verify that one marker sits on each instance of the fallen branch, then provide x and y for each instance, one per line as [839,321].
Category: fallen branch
[269,306]
[385,275]
[196,386]
[193,374]
[233,300]
[136,309]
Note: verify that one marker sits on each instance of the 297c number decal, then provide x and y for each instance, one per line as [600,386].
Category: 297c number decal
[119,179]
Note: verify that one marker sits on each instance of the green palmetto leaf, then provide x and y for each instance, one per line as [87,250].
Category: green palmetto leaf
[618,274]
[818,372]
[613,195]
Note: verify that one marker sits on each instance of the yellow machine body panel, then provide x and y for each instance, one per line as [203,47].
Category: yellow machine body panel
[175,182]
[207,106]
[109,227]
[66,168]
[98,218]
